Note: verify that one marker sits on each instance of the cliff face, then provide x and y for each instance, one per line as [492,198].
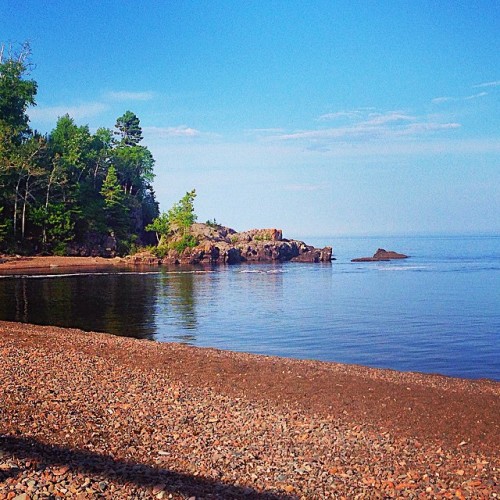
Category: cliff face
[219,244]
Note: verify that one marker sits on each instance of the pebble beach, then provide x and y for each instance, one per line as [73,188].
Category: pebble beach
[90,415]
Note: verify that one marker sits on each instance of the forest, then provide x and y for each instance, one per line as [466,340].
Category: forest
[70,191]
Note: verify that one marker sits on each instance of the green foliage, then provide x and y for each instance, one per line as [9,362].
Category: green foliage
[160,251]
[134,165]
[71,185]
[212,223]
[16,95]
[178,219]
[181,215]
[129,129]
[115,210]
[3,226]
[60,249]
[111,190]
[187,241]
[57,224]
[160,226]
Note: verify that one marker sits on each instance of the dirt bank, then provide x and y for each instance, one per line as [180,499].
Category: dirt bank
[13,264]
[102,416]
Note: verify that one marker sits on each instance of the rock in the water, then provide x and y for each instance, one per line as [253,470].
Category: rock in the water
[381,255]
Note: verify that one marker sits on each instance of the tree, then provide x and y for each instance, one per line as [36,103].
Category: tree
[178,219]
[160,226]
[135,168]
[182,214]
[57,226]
[114,203]
[70,185]
[16,95]
[129,129]
[18,147]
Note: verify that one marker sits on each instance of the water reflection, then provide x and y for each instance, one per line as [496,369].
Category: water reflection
[121,304]
[176,300]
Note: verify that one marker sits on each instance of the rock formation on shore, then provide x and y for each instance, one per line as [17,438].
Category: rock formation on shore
[381,255]
[218,244]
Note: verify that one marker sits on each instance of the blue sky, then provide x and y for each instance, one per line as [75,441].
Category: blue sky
[320,118]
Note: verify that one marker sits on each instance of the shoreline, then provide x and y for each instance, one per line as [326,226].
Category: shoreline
[36,262]
[209,422]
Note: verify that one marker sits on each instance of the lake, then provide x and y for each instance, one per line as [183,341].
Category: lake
[436,312]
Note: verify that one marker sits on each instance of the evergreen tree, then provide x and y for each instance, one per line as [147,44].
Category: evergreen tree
[129,129]
[114,203]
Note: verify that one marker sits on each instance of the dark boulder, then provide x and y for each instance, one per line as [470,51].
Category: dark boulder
[381,255]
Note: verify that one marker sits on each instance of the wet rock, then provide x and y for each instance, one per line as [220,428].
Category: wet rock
[381,255]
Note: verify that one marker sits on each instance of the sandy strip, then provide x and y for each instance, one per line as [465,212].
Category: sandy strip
[88,415]
[12,264]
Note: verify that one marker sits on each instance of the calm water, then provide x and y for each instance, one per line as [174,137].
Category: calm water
[437,312]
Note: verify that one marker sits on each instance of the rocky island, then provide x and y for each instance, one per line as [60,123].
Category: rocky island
[217,244]
[381,255]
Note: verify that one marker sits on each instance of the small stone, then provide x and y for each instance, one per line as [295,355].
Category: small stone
[61,471]
[158,487]
[22,496]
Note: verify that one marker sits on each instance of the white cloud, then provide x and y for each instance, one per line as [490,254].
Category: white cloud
[123,95]
[418,128]
[52,113]
[370,127]
[475,96]
[337,115]
[488,84]
[389,117]
[179,131]
[439,100]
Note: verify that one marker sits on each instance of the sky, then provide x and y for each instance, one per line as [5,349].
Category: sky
[319,118]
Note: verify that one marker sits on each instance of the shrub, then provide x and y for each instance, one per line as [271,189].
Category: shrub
[187,241]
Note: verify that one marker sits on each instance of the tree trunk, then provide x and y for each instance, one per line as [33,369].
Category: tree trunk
[14,225]
[25,202]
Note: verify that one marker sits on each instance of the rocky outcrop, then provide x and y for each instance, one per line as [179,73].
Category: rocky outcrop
[381,255]
[95,245]
[219,244]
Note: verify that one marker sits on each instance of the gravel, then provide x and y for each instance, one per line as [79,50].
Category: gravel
[88,415]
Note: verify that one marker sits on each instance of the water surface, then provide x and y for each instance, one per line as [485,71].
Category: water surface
[437,312]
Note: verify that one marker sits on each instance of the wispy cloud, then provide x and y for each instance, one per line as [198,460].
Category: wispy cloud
[178,131]
[81,111]
[441,100]
[306,187]
[378,126]
[261,131]
[475,96]
[389,117]
[488,84]
[338,115]
[124,95]
[419,128]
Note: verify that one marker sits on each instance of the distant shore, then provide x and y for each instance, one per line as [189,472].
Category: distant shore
[118,417]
